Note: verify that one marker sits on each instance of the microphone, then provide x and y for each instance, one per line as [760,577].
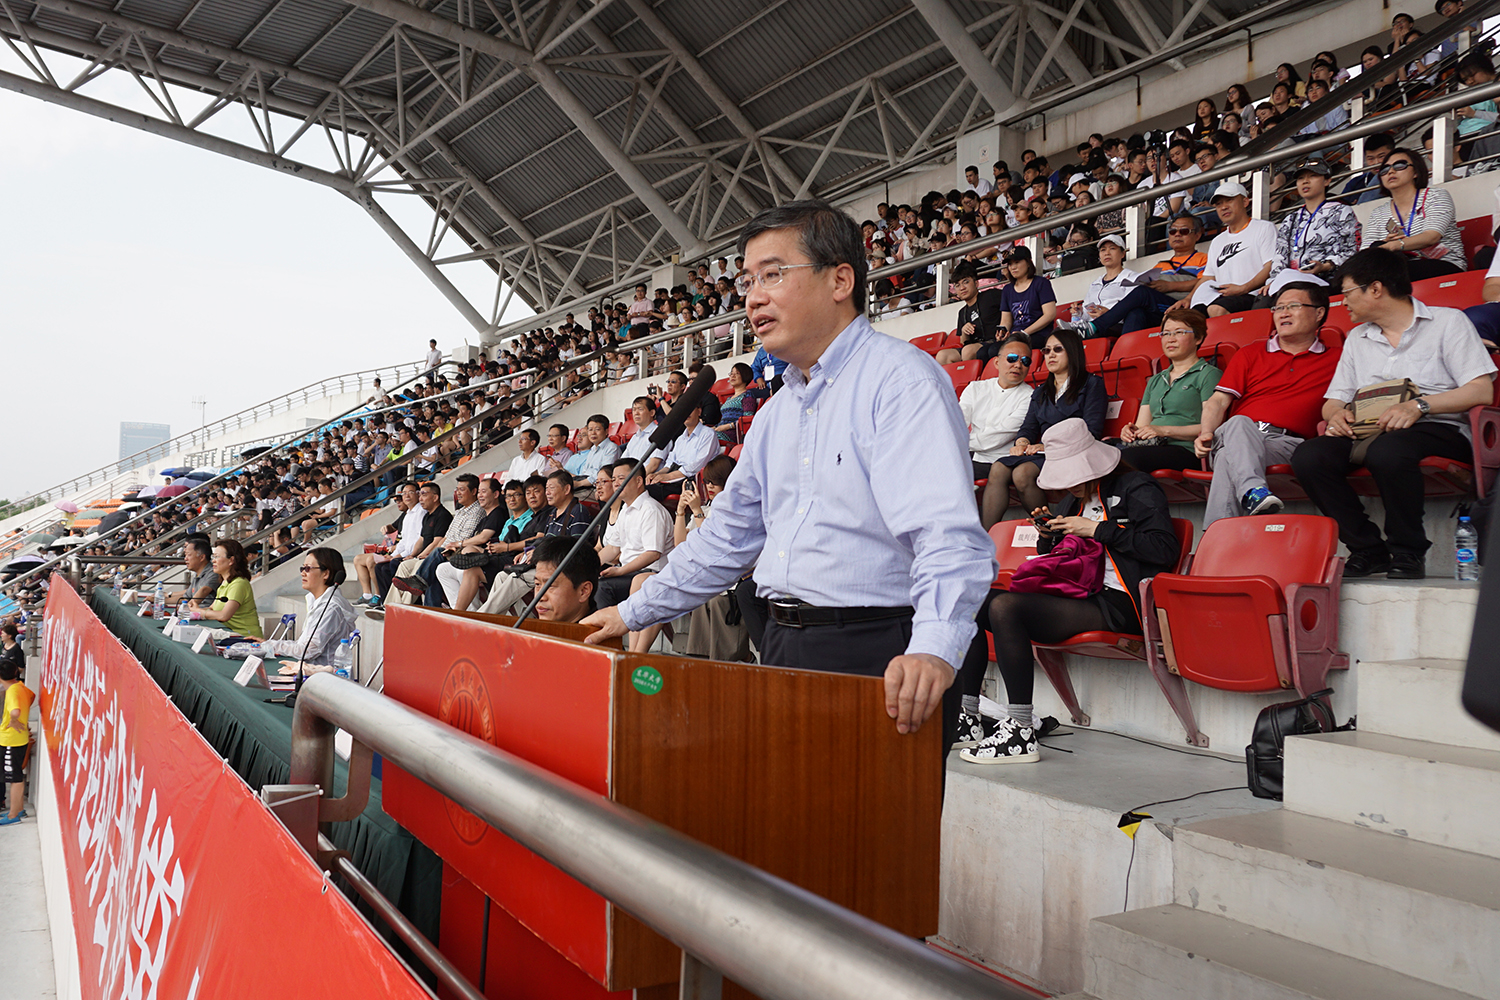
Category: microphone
[672,424]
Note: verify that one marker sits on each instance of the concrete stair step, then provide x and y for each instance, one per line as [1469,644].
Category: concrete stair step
[1177,953]
[1428,912]
[1444,795]
[1383,619]
[1419,700]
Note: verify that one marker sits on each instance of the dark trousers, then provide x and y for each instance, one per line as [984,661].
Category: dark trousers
[1151,457]
[1322,466]
[433,596]
[613,589]
[1486,319]
[1140,309]
[385,573]
[863,648]
[1230,303]
[1418,268]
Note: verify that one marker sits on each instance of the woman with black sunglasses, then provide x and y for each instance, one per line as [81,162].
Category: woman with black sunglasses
[1418,222]
[1068,391]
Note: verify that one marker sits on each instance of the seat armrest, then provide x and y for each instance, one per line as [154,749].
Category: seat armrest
[1484,424]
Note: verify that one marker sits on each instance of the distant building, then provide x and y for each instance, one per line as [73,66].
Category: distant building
[137,437]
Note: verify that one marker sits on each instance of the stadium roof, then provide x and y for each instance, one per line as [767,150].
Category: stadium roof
[569,143]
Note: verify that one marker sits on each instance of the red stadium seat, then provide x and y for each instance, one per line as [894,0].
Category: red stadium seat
[1105,645]
[1118,413]
[1256,610]
[1095,350]
[962,373]
[991,368]
[722,390]
[1477,233]
[1015,542]
[1037,373]
[953,342]
[743,427]
[1456,291]
[1240,329]
[735,450]
[615,433]
[1130,363]
[931,343]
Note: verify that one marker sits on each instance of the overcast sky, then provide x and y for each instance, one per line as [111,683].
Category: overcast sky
[137,272]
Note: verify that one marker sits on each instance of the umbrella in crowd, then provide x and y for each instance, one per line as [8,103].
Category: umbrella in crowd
[182,481]
[200,475]
[111,521]
[40,538]
[66,506]
[252,452]
[148,492]
[172,473]
[171,491]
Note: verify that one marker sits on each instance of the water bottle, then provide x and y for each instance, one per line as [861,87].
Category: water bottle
[182,610]
[1465,550]
[118,585]
[159,605]
[343,658]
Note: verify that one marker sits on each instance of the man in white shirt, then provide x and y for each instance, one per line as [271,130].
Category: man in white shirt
[637,542]
[994,409]
[434,358]
[1398,337]
[643,411]
[1239,258]
[530,462]
[410,535]
[684,459]
[977,184]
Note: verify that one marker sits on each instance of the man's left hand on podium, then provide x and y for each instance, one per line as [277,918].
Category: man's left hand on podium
[914,686]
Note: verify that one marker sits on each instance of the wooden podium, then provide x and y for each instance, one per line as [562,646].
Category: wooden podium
[800,773]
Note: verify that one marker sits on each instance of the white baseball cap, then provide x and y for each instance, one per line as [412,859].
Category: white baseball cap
[1229,189]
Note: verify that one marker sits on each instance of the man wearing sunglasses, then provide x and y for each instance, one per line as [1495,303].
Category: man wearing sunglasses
[868,568]
[1157,290]
[995,409]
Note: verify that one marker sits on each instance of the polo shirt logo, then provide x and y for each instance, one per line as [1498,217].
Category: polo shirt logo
[1228,253]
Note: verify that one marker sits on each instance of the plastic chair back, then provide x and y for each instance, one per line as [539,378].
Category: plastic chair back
[1455,291]
[1240,329]
[1118,413]
[1015,542]
[1290,548]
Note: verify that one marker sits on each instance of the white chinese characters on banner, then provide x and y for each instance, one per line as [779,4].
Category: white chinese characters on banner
[135,885]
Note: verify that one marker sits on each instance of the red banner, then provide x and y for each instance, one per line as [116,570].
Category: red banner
[182,883]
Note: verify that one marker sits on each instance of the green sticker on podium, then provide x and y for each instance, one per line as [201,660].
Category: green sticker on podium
[646,680]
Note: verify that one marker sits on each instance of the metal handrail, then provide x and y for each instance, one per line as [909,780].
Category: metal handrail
[249,415]
[290,441]
[1295,151]
[777,940]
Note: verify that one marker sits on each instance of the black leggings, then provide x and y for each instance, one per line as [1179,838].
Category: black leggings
[1016,621]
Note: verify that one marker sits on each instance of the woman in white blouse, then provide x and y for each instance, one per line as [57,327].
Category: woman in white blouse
[329,619]
[1418,221]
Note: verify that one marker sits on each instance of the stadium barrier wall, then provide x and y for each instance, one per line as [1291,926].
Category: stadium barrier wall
[173,879]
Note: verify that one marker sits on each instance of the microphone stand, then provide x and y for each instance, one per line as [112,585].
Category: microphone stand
[666,433]
[290,701]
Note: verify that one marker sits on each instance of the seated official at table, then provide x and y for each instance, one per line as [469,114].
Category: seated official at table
[571,597]
[330,616]
[234,604]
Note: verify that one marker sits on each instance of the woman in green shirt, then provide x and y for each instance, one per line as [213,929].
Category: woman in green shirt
[1172,407]
[234,604]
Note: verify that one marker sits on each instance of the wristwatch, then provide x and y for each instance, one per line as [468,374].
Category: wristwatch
[1423,405]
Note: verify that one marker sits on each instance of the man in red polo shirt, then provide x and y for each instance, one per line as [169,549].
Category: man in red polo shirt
[1276,394]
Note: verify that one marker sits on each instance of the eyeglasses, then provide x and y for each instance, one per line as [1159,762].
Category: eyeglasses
[1354,288]
[1392,167]
[1024,359]
[307,569]
[1290,308]
[768,277]
[1057,349]
[1180,232]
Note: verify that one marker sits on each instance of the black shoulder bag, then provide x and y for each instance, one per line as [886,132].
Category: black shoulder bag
[1265,756]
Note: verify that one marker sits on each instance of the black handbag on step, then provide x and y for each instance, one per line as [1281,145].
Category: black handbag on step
[1265,756]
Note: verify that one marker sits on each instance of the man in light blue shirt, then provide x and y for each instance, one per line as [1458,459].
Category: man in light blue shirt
[602,451]
[684,458]
[869,567]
